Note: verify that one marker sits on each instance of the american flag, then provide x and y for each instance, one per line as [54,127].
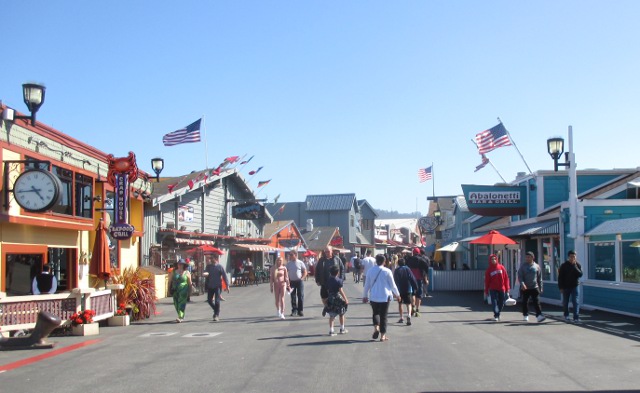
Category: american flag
[189,134]
[424,174]
[485,161]
[492,139]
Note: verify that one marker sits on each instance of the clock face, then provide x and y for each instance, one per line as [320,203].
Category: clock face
[36,190]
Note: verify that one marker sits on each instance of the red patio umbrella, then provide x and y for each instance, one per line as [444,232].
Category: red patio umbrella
[493,237]
[309,253]
[206,249]
[100,260]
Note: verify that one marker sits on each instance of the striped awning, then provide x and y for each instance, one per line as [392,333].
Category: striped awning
[255,247]
[195,241]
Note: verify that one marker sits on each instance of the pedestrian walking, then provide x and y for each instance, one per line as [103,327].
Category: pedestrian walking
[322,273]
[367,263]
[279,283]
[356,264]
[530,278]
[407,285]
[419,267]
[569,284]
[216,281]
[337,301]
[297,272]
[379,290]
[180,285]
[496,285]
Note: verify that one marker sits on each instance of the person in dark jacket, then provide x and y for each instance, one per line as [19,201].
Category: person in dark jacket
[322,273]
[407,286]
[44,282]
[569,283]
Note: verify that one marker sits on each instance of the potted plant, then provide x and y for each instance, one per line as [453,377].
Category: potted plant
[138,295]
[82,323]
[120,316]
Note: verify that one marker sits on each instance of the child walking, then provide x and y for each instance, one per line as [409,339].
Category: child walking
[337,301]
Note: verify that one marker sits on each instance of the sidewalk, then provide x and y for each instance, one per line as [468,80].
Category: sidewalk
[602,321]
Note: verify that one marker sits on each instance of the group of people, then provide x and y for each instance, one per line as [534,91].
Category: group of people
[530,279]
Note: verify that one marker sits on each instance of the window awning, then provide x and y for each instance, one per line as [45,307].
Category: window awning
[195,241]
[614,227]
[537,228]
[255,247]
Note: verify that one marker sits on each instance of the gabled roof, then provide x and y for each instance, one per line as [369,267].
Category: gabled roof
[331,202]
[319,237]
[277,226]
[363,202]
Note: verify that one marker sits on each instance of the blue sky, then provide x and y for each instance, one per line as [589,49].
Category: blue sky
[335,96]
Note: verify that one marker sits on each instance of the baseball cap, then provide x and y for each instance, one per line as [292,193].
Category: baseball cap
[416,250]
[531,253]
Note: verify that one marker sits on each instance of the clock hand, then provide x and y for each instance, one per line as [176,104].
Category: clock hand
[37,191]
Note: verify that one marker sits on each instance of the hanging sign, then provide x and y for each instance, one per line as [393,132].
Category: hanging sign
[495,200]
[122,171]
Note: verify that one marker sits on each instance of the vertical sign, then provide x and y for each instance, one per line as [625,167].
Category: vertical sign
[122,171]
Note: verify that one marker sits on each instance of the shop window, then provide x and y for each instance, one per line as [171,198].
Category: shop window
[602,258]
[62,262]
[547,258]
[20,271]
[631,261]
[66,193]
[84,196]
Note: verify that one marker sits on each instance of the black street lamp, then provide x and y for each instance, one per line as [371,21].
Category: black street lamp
[555,147]
[33,95]
[157,164]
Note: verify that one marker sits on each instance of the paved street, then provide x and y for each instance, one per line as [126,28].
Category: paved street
[453,346]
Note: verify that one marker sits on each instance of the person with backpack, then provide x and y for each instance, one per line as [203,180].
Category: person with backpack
[357,265]
[407,285]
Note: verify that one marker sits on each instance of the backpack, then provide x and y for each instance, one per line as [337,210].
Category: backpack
[357,263]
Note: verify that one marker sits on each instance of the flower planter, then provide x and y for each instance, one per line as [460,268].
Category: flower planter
[87,329]
[119,320]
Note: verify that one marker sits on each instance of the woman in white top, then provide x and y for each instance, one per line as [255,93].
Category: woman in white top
[379,290]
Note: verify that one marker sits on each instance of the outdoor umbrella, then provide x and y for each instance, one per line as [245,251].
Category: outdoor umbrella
[309,253]
[206,249]
[493,237]
[100,260]
[452,247]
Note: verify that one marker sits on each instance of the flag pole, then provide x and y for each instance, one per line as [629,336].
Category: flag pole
[206,153]
[490,163]
[514,145]
[433,180]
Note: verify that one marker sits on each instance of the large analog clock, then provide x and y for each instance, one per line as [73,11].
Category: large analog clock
[37,190]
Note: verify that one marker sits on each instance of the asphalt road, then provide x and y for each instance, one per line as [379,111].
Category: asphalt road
[453,346]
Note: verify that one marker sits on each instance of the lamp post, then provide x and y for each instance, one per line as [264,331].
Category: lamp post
[33,95]
[157,164]
[555,147]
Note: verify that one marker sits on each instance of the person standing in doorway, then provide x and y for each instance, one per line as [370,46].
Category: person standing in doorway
[569,284]
[496,284]
[44,282]
[297,274]
[216,279]
[379,290]
[530,278]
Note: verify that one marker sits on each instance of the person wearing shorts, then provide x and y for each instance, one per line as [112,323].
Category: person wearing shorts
[407,286]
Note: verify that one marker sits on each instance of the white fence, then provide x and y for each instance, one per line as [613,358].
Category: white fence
[457,280]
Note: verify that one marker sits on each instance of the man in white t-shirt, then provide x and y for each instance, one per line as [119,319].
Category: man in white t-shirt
[367,263]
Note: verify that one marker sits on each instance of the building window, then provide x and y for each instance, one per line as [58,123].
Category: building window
[20,271]
[66,193]
[84,196]
[631,261]
[551,258]
[602,257]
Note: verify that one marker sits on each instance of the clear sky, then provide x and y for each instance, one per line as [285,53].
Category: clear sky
[335,96]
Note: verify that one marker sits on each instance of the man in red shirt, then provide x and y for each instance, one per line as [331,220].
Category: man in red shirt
[496,283]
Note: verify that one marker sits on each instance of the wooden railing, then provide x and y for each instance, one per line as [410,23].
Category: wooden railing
[21,312]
